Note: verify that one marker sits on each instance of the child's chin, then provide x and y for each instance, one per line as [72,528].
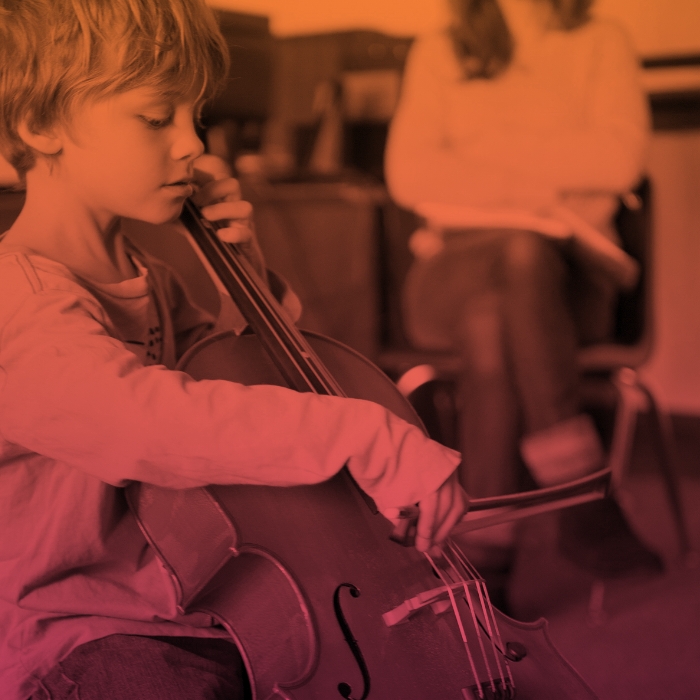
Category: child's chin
[162,216]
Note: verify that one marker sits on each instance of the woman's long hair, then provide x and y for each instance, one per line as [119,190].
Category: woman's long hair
[482,40]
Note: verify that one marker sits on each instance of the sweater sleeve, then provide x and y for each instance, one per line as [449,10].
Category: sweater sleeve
[72,393]
[420,163]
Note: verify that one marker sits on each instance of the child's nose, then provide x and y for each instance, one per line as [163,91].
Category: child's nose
[187,144]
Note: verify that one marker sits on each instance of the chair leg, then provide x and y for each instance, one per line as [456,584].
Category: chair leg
[628,387]
[597,616]
[433,401]
[666,448]
[625,382]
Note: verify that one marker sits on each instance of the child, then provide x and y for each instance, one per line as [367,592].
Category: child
[98,104]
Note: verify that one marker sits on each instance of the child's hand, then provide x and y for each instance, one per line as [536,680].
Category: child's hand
[219,197]
[437,514]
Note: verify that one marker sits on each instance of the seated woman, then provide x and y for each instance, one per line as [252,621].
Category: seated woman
[519,125]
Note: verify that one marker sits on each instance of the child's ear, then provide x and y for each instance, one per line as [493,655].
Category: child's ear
[46,141]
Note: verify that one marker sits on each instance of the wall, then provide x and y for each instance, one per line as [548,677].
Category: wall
[309,16]
[674,369]
[657,26]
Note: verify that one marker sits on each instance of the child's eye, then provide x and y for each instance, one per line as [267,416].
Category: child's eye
[156,123]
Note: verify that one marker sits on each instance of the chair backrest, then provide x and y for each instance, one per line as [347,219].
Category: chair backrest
[633,221]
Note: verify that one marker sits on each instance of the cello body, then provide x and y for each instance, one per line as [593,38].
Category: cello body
[302,577]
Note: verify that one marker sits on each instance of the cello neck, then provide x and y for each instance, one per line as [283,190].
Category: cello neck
[286,346]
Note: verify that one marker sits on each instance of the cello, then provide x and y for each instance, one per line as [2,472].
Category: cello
[308,581]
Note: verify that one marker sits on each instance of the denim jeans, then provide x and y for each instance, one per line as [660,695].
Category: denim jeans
[516,307]
[127,667]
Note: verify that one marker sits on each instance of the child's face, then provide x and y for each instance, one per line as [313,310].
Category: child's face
[130,155]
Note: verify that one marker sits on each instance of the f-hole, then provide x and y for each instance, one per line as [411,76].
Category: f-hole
[345,689]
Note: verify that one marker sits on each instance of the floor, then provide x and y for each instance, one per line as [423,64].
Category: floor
[643,643]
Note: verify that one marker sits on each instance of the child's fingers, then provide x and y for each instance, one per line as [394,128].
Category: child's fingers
[211,191]
[426,522]
[437,514]
[404,522]
[236,232]
[440,511]
[210,167]
[239,210]
[457,504]
[236,217]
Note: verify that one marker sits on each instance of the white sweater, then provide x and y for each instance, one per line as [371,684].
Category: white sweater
[566,124]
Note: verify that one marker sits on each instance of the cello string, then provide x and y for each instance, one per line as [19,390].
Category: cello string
[491,630]
[490,617]
[470,567]
[477,630]
[458,618]
[232,258]
[276,315]
[223,256]
[295,339]
[226,272]
[488,605]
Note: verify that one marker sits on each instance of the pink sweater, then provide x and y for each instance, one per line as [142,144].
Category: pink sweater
[89,401]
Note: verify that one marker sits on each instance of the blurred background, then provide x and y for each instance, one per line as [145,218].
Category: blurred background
[360,46]
[297,66]
[312,89]
[303,122]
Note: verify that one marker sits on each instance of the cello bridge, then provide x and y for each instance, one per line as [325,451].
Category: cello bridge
[437,599]
[499,690]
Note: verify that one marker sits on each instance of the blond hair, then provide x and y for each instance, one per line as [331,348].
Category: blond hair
[55,53]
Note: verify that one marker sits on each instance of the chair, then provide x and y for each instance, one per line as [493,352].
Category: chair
[609,370]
